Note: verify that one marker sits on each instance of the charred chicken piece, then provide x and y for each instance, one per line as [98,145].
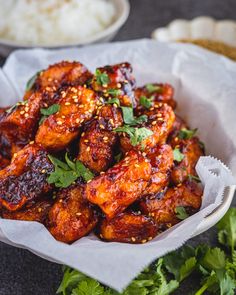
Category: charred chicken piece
[116,80]
[117,188]
[192,151]
[98,143]
[163,211]
[160,121]
[161,159]
[71,217]
[61,74]
[77,106]
[155,93]
[36,211]
[128,227]
[25,179]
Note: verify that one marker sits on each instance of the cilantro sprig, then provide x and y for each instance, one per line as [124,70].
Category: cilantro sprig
[187,133]
[113,101]
[129,119]
[102,78]
[146,102]
[66,173]
[214,267]
[178,156]
[31,81]
[53,109]
[153,88]
[181,212]
[137,135]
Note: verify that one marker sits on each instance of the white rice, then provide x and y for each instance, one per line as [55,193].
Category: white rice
[53,22]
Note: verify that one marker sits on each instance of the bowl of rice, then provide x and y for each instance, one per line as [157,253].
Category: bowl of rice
[57,24]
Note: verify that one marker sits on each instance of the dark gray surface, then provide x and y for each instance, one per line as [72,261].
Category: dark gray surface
[22,273]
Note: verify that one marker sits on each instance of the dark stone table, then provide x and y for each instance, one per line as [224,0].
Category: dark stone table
[22,273]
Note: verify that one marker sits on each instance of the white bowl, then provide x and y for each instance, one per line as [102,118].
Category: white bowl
[202,27]
[122,13]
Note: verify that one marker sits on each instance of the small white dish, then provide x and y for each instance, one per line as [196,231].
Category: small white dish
[122,13]
[202,27]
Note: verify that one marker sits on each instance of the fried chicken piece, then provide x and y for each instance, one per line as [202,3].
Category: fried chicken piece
[155,93]
[163,211]
[192,151]
[36,211]
[60,74]
[77,106]
[161,159]
[160,121]
[71,217]
[25,179]
[117,188]
[128,227]
[98,143]
[120,83]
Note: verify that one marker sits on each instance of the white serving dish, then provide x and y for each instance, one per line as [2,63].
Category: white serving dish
[202,27]
[122,13]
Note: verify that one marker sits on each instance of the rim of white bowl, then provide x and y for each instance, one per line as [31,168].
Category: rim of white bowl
[123,7]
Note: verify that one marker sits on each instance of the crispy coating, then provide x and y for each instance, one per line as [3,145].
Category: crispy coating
[25,179]
[188,195]
[163,93]
[121,79]
[98,143]
[77,106]
[192,151]
[128,227]
[117,188]
[36,211]
[161,159]
[60,74]
[160,121]
[71,217]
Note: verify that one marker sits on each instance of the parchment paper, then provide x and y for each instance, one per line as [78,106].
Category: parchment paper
[205,86]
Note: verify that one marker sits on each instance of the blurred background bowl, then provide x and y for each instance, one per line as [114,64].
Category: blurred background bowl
[122,8]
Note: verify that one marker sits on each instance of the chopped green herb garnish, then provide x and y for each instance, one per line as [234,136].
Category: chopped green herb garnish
[186,133]
[31,81]
[118,157]
[53,109]
[67,173]
[193,177]
[102,78]
[202,145]
[153,88]
[146,102]
[19,103]
[113,101]
[178,156]
[137,135]
[129,119]
[181,213]
[114,92]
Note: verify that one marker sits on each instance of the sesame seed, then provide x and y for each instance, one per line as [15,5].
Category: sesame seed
[43,171]
[144,154]
[89,181]
[105,138]
[22,112]
[26,109]
[31,142]
[152,108]
[59,123]
[82,134]
[26,115]
[39,210]
[101,126]
[48,88]
[137,165]
[150,238]
[78,214]
[160,119]
[88,149]
[49,79]
[154,122]
[86,140]
[77,121]
[133,239]
[102,172]
[81,106]
[105,85]
[60,201]
[101,236]
[119,85]
[74,96]
[63,94]
[144,241]
[76,100]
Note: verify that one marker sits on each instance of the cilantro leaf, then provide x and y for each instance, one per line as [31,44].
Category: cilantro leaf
[187,268]
[178,156]
[129,119]
[53,109]
[67,173]
[114,92]
[137,135]
[146,102]
[194,178]
[102,78]
[31,81]
[181,213]
[19,103]
[186,133]
[214,259]
[113,101]
[88,287]
[153,88]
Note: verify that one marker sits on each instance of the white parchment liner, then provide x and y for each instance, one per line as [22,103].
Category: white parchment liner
[205,86]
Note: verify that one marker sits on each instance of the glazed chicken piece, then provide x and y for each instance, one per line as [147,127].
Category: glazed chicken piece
[160,121]
[163,210]
[36,211]
[77,106]
[116,81]
[60,74]
[155,93]
[192,151]
[179,124]
[117,188]
[71,217]
[161,159]
[19,124]
[128,227]
[25,179]
[98,143]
